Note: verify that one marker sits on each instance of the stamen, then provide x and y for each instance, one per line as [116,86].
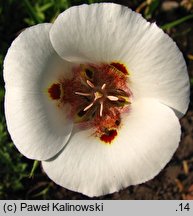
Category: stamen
[83,94]
[88,107]
[101,108]
[112,98]
[103,86]
[90,83]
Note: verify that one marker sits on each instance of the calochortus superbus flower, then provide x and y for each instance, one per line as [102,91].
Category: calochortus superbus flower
[96,96]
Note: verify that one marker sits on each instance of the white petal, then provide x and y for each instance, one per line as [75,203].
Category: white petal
[38,128]
[158,70]
[146,142]
[108,32]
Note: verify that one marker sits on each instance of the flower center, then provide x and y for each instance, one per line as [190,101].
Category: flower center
[98,95]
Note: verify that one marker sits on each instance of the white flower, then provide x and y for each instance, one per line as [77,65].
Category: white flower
[96,96]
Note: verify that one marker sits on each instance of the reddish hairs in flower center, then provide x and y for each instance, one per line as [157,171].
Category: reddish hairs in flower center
[98,95]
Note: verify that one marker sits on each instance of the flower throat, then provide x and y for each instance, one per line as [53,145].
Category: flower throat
[98,95]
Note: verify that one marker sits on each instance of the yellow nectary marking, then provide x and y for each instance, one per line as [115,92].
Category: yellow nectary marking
[120,67]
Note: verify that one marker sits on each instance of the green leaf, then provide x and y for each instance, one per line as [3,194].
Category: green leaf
[35,165]
[46,7]
[42,192]
[91,1]
[191,82]
[32,12]
[151,8]
[2,93]
[176,22]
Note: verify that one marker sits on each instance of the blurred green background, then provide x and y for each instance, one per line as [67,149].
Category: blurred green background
[20,178]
